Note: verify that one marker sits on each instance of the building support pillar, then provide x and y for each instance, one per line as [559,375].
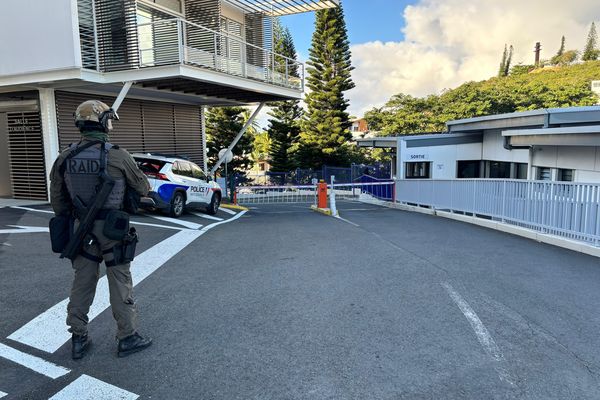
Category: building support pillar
[203,133]
[49,130]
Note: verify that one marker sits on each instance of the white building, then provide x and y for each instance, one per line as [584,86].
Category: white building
[181,55]
[554,144]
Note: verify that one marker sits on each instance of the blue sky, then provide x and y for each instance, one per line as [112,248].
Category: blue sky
[366,21]
[422,47]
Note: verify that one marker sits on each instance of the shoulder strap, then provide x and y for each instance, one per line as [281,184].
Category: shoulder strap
[103,158]
[79,149]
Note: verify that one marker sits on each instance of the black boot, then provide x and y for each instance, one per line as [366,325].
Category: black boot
[133,344]
[80,345]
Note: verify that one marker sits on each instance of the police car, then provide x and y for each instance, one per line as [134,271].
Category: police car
[177,183]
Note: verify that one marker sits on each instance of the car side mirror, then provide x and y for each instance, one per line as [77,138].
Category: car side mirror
[208,178]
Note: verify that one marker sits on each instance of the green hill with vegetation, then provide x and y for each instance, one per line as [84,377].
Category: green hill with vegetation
[525,88]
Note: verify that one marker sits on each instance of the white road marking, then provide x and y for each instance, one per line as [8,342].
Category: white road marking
[133,222]
[32,362]
[156,225]
[483,335]
[6,244]
[2,394]
[345,220]
[201,215]
[24,229]
[32,209]
[207,216]
[87,388]
[48,332]
[226,210]
[187,224]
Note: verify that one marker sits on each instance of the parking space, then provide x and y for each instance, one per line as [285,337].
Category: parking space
[289,303]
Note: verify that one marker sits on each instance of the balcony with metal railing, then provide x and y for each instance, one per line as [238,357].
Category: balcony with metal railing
[177,41]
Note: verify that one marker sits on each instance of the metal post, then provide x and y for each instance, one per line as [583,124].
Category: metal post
[237,138]
[95,36]
[121,96]
[226,181]
[332,198]
[215,53]
[203,134]
[179,41]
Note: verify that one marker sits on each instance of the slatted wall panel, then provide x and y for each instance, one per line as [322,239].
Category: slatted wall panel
[144,126]
[206,13]
[159,128]
[188,133]
[117,34]
[255,34]
[26,155]
[85,10]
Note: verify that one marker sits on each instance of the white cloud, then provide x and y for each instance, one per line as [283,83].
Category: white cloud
[448,42]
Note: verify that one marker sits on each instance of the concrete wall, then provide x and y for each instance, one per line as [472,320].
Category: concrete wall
[38,35]
[584,160]
[443,158]
[493,149]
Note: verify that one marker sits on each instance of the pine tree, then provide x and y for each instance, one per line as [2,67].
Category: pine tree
[561,51]
[222,126]
[325,130]
[503,62]
[284,125]
[590,52]
[508,61]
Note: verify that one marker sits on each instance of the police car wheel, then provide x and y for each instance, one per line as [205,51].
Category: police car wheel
[213,207]
[177,205]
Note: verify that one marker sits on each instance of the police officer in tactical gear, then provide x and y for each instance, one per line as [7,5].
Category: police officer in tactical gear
[75,180]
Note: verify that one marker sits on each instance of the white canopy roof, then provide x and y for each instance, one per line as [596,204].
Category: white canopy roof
[278,8]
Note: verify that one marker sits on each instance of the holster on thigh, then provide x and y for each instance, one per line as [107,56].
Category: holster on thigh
[124,251]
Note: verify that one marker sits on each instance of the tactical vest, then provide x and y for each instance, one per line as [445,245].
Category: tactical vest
[82,176]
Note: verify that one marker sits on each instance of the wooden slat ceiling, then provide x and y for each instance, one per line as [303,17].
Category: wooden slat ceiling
[278,8]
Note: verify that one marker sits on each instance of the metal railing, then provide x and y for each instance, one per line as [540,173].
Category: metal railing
[177,41]
[308,193]
[569,210]
[276,194]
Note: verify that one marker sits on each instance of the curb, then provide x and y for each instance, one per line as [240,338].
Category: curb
[558,241]
[324,211]
[234,207]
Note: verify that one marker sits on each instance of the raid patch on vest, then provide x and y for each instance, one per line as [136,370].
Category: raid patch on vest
[83,166]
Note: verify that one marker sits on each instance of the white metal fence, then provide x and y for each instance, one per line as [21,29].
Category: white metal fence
[276,194]
[308,193]
[570,210]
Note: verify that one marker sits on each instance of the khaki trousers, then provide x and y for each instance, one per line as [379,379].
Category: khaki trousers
[86,278]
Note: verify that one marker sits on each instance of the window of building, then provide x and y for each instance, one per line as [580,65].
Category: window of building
[566,175]
[468,169]
[544,174]
[418,170]
[497,169]
[521,171]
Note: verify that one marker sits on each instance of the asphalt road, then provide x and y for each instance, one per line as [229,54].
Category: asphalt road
[285,303]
